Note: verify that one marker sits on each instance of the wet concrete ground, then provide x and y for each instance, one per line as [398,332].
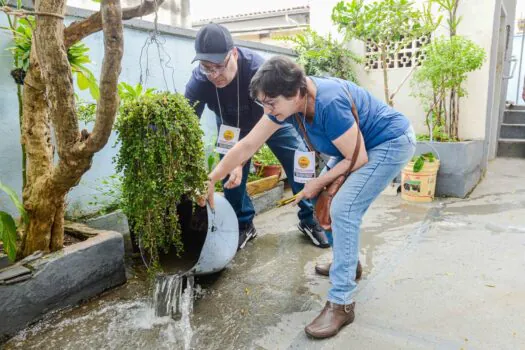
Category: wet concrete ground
[445,275]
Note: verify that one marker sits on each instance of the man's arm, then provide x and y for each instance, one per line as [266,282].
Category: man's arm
[192,94]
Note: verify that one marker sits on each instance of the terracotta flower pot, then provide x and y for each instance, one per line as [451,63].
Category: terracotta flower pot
[268,170]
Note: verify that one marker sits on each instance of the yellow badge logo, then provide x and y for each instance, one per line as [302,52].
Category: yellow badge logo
[304,162]
[228,135]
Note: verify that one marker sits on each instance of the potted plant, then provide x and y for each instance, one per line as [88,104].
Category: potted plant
[418,178]
[439,83]
[161,157]
[266,163]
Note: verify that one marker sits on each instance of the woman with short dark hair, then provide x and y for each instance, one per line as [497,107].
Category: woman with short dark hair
[336,118]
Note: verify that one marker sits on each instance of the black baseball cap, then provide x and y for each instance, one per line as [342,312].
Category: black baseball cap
[213,42]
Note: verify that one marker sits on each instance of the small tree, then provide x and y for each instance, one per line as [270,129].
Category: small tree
[324,55]
[49,106]
[388,25]
[440,79]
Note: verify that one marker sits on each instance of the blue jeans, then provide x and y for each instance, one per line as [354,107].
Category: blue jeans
[360,189]
[283,144]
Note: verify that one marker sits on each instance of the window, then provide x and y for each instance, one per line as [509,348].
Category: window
[406,57]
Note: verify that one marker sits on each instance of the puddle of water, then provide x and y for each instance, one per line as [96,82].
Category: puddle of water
[124,318]
[272,277]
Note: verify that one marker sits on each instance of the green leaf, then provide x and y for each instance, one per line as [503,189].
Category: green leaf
[14,199]
[94,91]
[82,81]
[418,165]
[138,90]
[8,234]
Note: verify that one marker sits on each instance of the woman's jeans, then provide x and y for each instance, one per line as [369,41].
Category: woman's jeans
[360,189]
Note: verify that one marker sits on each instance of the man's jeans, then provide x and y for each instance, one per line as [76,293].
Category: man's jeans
[360,189]
[283,144]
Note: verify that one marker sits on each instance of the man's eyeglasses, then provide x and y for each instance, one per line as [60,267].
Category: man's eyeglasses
[215,69]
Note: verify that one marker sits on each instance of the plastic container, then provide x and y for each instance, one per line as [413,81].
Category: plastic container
[210,239]
[420,186]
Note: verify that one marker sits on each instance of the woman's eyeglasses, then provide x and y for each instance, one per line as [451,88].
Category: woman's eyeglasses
[269,105]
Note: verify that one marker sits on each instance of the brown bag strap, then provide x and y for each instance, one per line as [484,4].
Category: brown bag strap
[357,148]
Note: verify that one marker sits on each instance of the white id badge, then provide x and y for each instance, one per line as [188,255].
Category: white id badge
[304,166]
[228,137]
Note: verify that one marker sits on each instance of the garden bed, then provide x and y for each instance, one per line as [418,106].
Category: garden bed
[93,263]
[461,166]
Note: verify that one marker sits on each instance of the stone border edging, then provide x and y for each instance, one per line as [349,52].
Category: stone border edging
[61,279]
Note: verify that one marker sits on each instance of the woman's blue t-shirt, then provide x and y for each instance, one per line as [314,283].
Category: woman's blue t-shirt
[333,116]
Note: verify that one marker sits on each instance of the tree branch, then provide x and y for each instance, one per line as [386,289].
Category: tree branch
[36,135]
[80,29]
[403,82]
[56,74]
[108,103]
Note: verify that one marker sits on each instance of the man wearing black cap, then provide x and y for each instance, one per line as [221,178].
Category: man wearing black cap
[221,82]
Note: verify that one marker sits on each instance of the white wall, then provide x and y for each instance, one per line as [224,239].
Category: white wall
[477,25]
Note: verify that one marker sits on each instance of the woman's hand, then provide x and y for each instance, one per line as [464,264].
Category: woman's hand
[311,190]
[210,185]
[235,178]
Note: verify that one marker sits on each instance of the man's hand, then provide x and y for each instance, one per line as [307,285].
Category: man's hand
[235,178]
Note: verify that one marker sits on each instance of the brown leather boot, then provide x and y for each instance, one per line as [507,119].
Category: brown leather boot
[331,320]
[324,269]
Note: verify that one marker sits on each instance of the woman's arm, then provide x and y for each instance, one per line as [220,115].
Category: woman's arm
[241,152]
[346,144]
[244,149]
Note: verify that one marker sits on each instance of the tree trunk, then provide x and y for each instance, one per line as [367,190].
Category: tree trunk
[385,78]
[46,225]
[49,98]
[453,116]
[455,124]
[36,137]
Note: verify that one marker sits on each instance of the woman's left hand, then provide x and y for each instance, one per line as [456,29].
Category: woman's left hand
[209,195]
[311,190]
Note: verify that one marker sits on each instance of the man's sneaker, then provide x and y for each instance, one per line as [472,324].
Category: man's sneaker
[315,233]
[246,233]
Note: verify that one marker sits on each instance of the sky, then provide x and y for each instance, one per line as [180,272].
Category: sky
[218,8]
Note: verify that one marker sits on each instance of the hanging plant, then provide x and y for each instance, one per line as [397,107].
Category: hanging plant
[162,161]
